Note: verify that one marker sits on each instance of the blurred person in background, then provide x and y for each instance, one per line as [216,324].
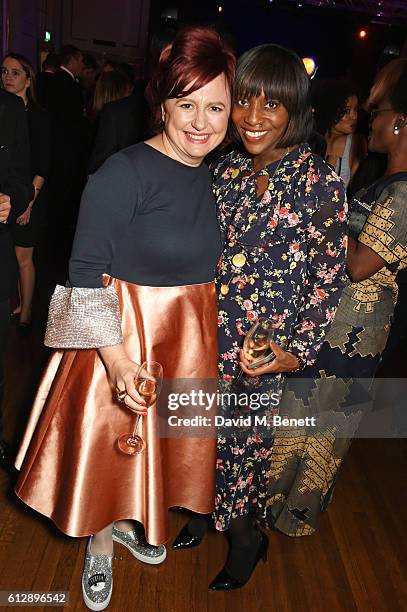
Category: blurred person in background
[88,79]
[336,107]
[18,77]
[120,108]
[110,86]
[49,67]
[125,122]
[16,191]
[68,146]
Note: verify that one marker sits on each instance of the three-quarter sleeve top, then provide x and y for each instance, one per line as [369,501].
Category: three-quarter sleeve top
[146,219]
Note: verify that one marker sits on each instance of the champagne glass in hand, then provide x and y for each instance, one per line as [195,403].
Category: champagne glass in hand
[256,346]
[148,385]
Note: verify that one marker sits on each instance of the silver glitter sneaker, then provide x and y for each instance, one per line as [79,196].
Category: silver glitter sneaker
[139,547]
[97,579]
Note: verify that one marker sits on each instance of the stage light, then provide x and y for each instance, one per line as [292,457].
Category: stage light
[220,8]
[362,33]
[310,66]
[47,36]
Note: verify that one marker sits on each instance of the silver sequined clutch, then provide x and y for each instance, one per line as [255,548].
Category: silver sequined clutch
[81,318]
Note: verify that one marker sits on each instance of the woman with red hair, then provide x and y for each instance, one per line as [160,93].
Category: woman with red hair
[141,287]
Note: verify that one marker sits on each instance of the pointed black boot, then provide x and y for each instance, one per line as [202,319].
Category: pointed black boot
[192,533]
[224,581]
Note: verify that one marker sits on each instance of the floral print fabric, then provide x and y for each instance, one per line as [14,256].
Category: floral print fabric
[293,238]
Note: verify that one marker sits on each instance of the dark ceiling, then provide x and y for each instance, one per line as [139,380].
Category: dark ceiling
[390,11]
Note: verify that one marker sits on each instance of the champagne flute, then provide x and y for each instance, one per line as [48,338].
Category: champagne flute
[256,345]
[148,385]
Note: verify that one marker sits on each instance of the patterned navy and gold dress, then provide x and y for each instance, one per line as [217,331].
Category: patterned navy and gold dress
[305,465]
[284,259]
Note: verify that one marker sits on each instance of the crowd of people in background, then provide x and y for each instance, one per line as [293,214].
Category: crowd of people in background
[78,112]
[327,280]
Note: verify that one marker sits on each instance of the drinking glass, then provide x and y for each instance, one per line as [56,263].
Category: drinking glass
[256,346]
[148,384]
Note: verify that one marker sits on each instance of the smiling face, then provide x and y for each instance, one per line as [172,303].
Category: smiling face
[347,123]
[196,124]
[14,78]
[261,124]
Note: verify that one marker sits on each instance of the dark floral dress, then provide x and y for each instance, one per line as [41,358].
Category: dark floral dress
[293,241]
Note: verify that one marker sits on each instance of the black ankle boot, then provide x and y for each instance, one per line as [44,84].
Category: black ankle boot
[241,557]
[192,533]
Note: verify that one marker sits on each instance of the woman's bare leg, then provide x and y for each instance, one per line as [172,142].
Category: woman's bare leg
[102,543]
[27,281]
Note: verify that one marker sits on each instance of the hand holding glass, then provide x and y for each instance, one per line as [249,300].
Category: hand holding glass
[256,346]
[148,385]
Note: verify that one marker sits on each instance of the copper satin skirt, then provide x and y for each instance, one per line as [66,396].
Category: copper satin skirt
[70,469]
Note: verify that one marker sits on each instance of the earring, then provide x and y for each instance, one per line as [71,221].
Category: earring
[396,130]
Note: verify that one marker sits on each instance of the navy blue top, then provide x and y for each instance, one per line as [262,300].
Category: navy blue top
[146,219]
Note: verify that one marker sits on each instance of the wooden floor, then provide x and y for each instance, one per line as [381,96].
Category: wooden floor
[356,560]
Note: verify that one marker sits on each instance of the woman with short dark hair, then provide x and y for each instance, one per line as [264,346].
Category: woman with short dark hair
[283,216]
[141,288]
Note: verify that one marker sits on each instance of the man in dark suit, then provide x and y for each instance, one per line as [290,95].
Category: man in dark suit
[49,67]
[16,191]
[121,125]
[66,110]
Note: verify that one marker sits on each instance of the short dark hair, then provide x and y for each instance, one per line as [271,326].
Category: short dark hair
[280,74]
[391,83]
[67,53]
[51,61]
[196,57]
[90,61]
[329,99]
[126,70]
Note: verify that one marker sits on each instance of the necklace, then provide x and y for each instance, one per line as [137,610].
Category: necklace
[240,259]
[254,215]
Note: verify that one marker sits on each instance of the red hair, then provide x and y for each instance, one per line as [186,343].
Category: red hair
[196,57]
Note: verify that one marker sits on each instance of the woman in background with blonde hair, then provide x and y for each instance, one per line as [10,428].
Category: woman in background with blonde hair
[110,86]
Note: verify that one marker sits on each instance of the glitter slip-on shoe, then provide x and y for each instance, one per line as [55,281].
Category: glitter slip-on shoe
[97,579]
[139,547]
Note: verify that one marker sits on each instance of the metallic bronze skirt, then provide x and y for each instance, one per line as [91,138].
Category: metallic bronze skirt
[71,470]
